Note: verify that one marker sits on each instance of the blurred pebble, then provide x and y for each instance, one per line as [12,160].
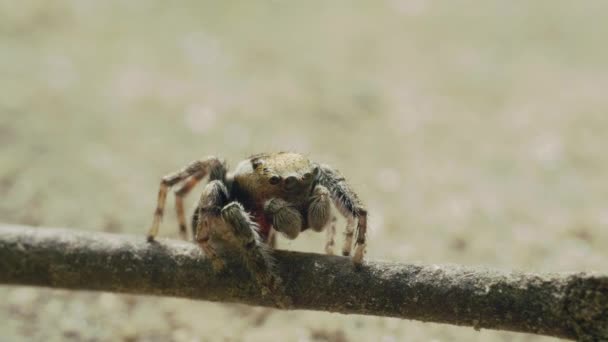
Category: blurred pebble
[458,244]
[71,334]
[71,325]
[128,332]
[582,233]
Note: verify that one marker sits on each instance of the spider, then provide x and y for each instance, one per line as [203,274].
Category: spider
[281,192]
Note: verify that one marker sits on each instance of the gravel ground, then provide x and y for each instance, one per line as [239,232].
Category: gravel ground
[474,131]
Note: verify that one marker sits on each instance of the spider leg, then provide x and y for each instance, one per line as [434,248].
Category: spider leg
[207,219]
[361,241]
[218,218]
[349,232]
[196,169]
[348,204]
[285,218]
[255,253]
[179,201]
[331,234]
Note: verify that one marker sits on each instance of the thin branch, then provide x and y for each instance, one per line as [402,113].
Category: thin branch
[573,306]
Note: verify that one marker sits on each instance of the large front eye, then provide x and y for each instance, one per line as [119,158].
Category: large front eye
[290,182]
[274,180]
[307,176]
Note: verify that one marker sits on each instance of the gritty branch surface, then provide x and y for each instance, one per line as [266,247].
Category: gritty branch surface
[571,306]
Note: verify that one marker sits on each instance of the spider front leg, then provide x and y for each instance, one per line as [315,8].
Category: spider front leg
[191,174]
[207,220]
[254,252]
[217,218]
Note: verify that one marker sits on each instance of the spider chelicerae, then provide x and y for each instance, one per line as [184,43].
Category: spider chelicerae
[281,192]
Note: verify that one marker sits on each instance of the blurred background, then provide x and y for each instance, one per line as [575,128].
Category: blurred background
[474,131]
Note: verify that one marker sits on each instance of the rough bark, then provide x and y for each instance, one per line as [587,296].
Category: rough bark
[572,305]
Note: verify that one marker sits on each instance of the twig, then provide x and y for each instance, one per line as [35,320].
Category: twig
[573,305]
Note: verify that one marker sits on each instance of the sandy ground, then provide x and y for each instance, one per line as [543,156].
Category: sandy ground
[474,131]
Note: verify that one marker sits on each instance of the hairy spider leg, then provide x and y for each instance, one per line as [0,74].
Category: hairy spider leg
[199,168]
[348,204]
[219,217]
[255,253]
[207,218]
[179,201]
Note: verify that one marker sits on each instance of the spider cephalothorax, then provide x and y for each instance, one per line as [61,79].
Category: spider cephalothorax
[269,192]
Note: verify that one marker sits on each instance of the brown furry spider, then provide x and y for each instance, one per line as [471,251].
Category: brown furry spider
[283,192]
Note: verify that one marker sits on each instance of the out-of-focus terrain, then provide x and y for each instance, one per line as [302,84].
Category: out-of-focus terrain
[476,132]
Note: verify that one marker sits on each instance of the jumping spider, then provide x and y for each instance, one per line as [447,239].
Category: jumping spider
[283,192]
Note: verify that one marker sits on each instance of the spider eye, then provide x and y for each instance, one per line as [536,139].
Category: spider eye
[274,180]
[307,175]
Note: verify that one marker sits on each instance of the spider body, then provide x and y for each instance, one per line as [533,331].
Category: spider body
[260,179]
[270,192]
